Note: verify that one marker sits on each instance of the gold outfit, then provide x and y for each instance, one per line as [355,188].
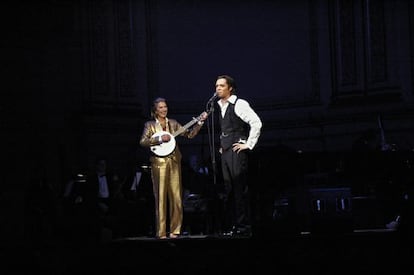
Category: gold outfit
[166,177]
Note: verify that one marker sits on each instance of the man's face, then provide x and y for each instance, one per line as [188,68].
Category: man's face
[222,88]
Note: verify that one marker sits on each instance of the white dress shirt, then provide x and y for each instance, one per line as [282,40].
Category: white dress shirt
[243,110]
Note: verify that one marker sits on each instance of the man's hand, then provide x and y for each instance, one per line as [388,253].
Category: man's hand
[238,147]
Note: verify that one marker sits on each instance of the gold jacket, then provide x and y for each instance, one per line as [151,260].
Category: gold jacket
[153,126]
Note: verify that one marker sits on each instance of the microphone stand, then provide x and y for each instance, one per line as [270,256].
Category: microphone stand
[213,190]
[210,111]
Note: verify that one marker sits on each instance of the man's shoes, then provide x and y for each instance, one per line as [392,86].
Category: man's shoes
[238,232]
[229,233]
[243,233]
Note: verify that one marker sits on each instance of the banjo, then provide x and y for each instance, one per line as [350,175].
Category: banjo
[166,148]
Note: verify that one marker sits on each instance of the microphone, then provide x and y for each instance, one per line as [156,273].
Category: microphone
[213,97]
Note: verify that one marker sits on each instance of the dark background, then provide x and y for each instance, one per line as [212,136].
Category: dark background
[325,76]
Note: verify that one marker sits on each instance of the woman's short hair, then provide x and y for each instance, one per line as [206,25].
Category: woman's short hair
[154,105]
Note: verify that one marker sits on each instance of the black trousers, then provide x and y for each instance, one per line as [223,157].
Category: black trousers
[235,168]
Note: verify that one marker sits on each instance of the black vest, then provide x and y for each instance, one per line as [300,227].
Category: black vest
[232,128]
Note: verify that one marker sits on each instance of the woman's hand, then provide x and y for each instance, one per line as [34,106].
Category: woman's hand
[165,138]
[203,116]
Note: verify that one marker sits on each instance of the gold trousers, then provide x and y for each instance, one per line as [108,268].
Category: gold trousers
[167,187]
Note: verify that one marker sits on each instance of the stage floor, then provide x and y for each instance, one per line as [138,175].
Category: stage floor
[368,251]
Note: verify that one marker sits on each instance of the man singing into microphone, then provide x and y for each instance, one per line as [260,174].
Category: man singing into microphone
[240,131]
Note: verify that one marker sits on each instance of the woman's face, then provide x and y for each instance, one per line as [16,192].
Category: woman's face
[161,109]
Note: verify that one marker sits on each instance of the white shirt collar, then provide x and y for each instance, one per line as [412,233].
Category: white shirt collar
[231,99]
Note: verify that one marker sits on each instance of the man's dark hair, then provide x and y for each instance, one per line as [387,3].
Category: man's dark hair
[230,81]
